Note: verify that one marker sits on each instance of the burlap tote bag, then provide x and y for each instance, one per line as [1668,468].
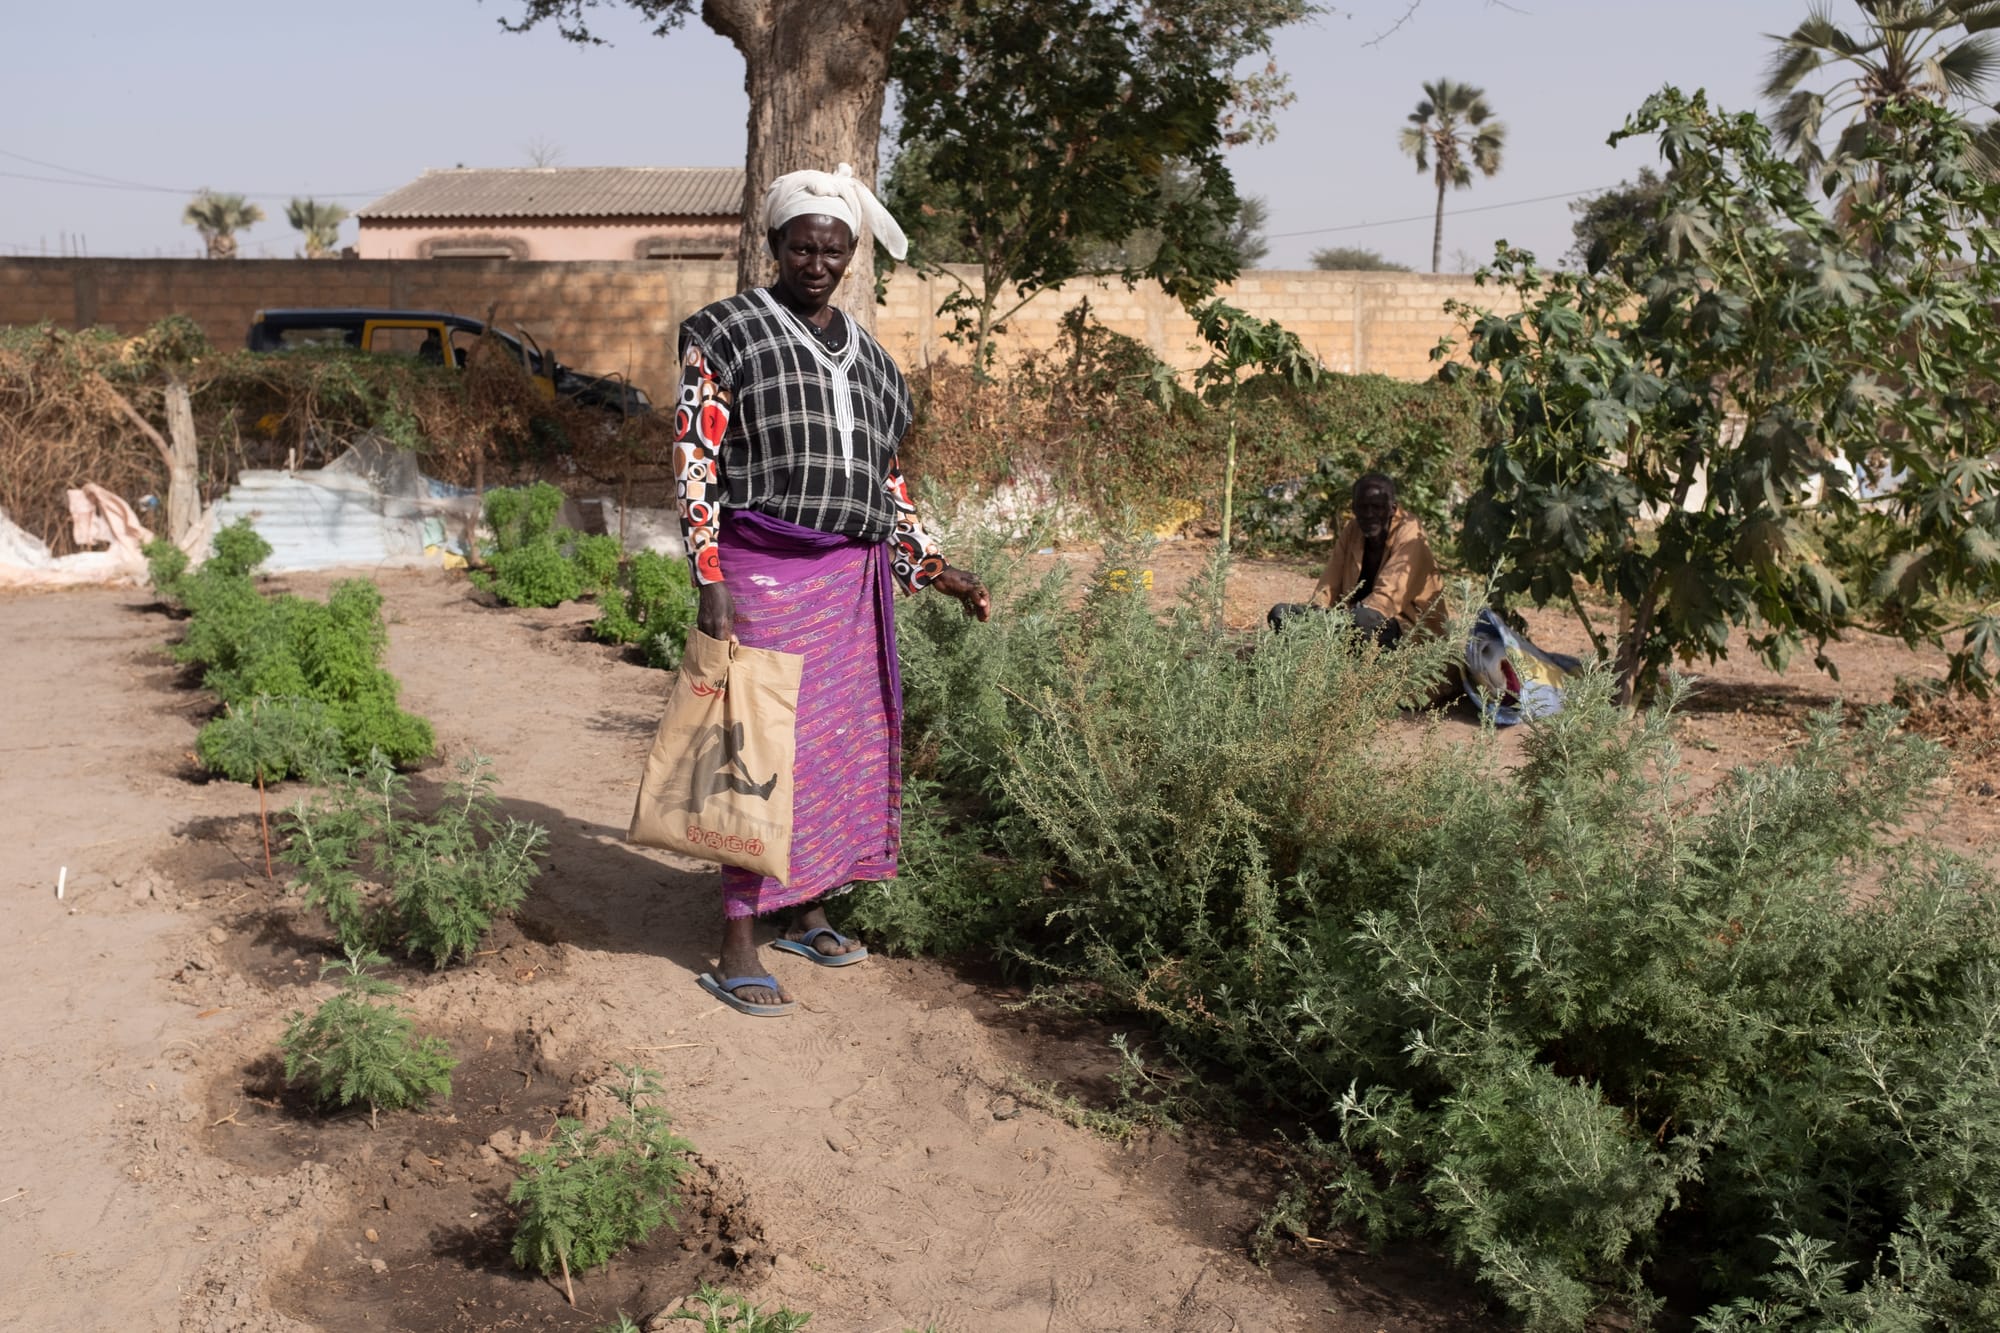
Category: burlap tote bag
[718,785]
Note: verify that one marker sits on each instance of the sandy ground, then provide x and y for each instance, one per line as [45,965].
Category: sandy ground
[863,1160]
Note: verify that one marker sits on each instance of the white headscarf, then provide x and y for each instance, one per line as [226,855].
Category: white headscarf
[834,194]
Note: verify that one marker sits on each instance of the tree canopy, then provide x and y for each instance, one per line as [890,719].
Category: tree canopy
[1043,140]
[218,217]
[1937,51]
[817,72]
[1745,388]
[1451,134]
[319,223]
[1616,221]
[1354,259]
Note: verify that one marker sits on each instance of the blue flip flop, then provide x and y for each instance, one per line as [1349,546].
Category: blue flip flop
[725,991]
[804,948]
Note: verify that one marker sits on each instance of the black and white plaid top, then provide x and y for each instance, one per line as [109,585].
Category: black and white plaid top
[812,430]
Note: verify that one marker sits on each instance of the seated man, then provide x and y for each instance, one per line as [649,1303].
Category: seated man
[1381,569]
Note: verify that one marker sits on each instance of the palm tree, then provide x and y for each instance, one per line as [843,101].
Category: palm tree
[1451,132]
[1934,50]
[320,223]
[219,217]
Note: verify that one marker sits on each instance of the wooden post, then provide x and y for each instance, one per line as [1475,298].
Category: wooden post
[183,464]
[478,507]
[180,457]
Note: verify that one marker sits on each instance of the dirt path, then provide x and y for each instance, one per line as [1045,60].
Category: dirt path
[865,1159]
[112,1219]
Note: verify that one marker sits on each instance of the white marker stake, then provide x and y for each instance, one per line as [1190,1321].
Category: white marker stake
[61,880]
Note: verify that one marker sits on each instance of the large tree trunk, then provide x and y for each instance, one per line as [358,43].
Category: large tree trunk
[817,72]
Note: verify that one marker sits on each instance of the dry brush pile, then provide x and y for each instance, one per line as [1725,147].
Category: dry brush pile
[1117,432]
[95,407]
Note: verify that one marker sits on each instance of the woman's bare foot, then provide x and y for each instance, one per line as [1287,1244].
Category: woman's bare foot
[739,959]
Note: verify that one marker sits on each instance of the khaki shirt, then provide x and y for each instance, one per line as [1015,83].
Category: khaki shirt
[1407,586]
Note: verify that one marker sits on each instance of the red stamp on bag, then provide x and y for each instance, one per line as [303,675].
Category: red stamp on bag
[717,841]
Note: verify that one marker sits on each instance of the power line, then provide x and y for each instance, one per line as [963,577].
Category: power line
[57,166]
[98,182]
[90,185]
[1426,217]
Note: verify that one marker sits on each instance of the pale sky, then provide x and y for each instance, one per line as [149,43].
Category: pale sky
[278,98]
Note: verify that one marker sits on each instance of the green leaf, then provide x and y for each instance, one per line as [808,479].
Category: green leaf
[1611,422]
[1845,278]
[1980,547]
[1689,232]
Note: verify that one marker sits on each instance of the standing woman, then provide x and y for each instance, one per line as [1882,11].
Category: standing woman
[797,521]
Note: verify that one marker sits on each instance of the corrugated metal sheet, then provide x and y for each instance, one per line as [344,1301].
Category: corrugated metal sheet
[370,506]
[581,192]
[313,526]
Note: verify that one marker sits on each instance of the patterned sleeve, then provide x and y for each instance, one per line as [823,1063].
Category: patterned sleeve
[918,560]
[699,421]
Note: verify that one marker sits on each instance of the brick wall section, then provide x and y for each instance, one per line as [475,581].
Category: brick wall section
[620,316]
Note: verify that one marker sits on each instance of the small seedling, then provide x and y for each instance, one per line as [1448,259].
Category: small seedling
[724,1312]
[385,875]
[590,1193]
[353,1049]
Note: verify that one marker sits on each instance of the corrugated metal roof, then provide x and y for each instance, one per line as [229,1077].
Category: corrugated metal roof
[565,192]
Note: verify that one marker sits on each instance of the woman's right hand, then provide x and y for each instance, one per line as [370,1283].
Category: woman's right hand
[716,615]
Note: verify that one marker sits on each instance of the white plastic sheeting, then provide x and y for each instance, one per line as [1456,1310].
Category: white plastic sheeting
[97,517]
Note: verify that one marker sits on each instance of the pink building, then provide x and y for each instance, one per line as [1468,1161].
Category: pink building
[546,213]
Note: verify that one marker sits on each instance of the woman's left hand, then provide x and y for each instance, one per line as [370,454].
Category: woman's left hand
[966,587]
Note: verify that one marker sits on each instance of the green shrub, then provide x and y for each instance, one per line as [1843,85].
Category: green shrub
[653,605]
[597,558]
[1587,1035]
[531,562]
[236,551]
[339,647]
[590,1193]
[266,740]
[166,566]
[387,876]
[352,1049]
[250,646]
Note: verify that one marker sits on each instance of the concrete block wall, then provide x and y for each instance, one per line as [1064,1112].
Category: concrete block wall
[606,317]
[1385,323]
